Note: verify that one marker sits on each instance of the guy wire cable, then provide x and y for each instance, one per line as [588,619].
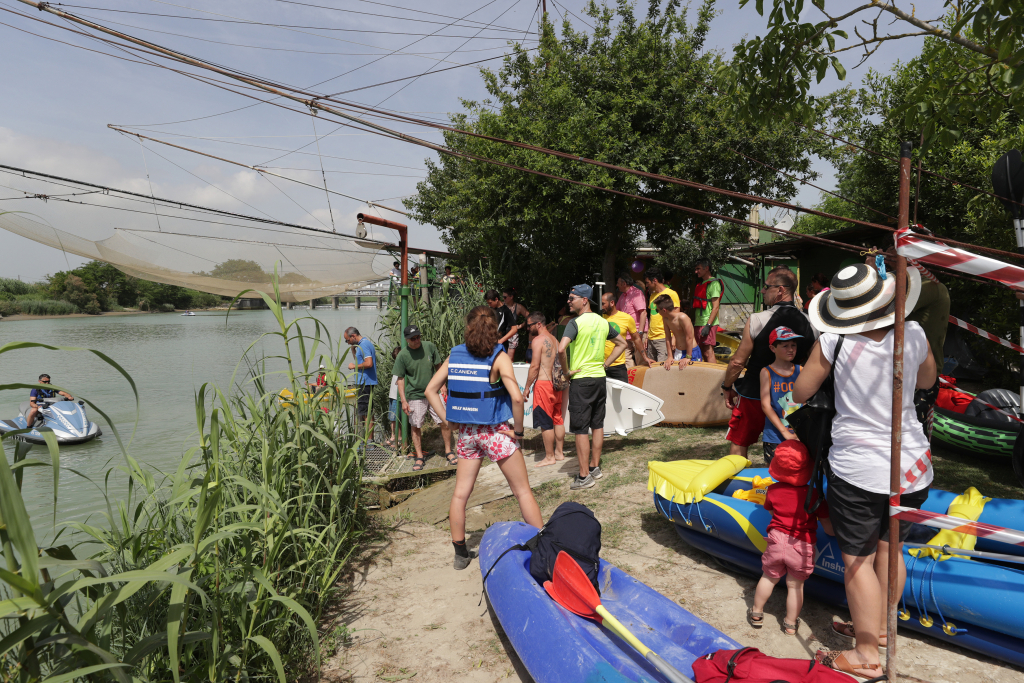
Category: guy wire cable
[317,102]
[253,168]
[170,202]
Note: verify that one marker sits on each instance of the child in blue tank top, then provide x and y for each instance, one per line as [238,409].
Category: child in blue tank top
[777,389]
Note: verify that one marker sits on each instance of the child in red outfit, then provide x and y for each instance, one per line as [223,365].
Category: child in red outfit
[792,534]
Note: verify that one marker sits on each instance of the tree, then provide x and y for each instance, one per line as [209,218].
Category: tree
[771,75]
[948,209]
[636,93]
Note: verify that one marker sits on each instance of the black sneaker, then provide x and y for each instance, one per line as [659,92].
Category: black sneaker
[463,562]
[582,483]
[595,472]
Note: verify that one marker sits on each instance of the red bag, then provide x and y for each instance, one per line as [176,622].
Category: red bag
[749,665]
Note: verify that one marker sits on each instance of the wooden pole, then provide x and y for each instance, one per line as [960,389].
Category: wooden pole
[895,469]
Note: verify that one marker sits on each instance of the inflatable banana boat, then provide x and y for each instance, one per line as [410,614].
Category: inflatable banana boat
[972,602]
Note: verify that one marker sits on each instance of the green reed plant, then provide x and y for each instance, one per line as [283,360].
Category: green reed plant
[219,571]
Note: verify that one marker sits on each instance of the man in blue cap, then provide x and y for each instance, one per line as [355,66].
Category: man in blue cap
[585,336]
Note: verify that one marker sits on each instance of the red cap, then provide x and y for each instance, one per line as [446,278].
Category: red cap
[791,463]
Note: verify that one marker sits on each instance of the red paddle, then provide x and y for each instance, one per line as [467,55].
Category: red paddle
[571,588]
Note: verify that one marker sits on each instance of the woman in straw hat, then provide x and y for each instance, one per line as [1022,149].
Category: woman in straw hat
[857,313]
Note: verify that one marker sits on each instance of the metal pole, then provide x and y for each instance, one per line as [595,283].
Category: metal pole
[403,242]
[1018,231]
[895,473]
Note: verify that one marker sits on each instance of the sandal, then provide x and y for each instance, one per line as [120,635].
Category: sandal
[787,627]
[845,629]
[756,619]
[417,464]
[452,459]
[836,659]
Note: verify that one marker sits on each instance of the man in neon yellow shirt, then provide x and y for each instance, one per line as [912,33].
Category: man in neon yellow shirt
[657,345]
[627,326]
[706,297]
[586,335]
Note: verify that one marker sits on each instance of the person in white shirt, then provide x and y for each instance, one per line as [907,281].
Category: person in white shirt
[858,312]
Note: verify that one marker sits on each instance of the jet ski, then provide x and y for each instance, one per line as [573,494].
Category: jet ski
[188,313]
[67,419]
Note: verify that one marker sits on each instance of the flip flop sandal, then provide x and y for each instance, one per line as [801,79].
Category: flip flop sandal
[452,459]
[756,619]
[836,659]
[845,629]
[417,465]
[787,627]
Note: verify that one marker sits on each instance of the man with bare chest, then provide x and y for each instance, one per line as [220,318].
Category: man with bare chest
[548,404]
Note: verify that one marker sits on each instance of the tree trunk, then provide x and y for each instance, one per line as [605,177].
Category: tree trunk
[608,269]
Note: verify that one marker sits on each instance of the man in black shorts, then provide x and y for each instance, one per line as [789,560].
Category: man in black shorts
[585,335]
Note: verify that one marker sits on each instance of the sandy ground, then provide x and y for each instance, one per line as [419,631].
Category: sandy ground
[410,615]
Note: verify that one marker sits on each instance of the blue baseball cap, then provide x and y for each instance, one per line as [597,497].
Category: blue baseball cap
[585,291]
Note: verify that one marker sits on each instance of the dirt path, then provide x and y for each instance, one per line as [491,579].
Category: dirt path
[410,616]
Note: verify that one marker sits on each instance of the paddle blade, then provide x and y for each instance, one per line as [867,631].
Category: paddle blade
[570,602]
[570,578]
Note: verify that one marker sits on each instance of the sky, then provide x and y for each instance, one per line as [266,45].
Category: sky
[58,100]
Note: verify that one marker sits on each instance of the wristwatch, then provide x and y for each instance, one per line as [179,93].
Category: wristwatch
[726,388]
[519,434]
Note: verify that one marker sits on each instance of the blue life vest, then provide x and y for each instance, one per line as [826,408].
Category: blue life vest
[472,399]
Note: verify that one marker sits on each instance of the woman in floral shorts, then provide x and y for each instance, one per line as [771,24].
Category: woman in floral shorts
[482,396]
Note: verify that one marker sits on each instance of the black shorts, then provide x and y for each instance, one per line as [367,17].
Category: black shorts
[861,518]
[618,372]
[586,404]
[769,451]
[363,402]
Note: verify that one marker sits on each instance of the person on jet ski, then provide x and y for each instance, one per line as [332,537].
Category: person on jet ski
[36,394]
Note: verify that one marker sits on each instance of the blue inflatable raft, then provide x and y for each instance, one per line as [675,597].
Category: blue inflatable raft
[973,603]
[556,645]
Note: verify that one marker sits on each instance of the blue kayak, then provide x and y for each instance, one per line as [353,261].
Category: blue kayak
[973,603]
[556,645]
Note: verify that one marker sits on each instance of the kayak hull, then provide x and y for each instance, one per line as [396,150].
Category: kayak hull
[556,645]
[982,597]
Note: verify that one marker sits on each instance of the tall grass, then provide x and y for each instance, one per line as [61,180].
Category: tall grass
[46,307]
[218,572]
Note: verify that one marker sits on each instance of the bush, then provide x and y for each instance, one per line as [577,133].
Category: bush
[8,307]
[143,305]
[167,308]
[6,296]
[235,556]
[12,286]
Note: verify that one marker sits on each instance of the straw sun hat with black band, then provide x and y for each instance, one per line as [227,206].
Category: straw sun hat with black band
[859,300]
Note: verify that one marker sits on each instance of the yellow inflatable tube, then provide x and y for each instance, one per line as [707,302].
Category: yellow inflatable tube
[686,481]
[968,505]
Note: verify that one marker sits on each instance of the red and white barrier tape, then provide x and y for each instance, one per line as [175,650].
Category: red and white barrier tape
[987,335]
[945,256]
[963,526]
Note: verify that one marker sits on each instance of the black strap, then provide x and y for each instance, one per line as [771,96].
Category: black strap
[530,545]
[475,394]
[731,666]
[821,459]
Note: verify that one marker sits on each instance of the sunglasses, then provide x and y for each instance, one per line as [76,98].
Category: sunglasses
[45,381]
[413,338]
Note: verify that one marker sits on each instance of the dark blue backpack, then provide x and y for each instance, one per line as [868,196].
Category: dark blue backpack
[572,528]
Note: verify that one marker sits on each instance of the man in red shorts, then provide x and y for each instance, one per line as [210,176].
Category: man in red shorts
[548,407]
[754,354]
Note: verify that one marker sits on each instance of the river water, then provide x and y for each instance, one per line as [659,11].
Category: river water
[169,357]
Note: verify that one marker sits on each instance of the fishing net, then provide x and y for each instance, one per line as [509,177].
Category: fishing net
[205,251]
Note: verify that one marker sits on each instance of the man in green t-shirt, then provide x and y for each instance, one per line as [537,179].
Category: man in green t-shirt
[414,367]
[585,337]
[706,297]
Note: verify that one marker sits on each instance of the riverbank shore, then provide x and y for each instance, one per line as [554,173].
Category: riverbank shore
[408,614]
[106,314]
